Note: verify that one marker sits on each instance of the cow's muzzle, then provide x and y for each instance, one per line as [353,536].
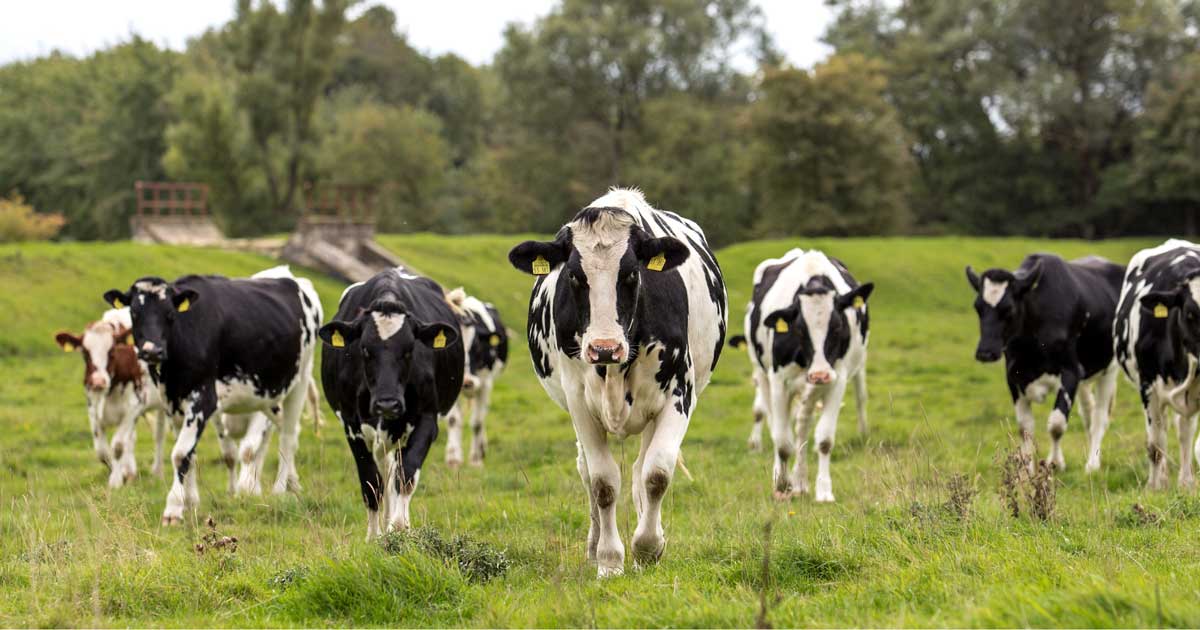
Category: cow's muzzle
[152,353]
[605,351]
[987,355]
[821,376]
[388,408]
[97,382]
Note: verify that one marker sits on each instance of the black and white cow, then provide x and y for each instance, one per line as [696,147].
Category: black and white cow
[486,342]
[1158,345]
[807,331]
[1052,321]
[393,363]
[626,323]
[219,345]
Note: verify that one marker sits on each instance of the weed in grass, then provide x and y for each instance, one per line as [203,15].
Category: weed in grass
[1139,515]
[1036,491]
[287,577]
[477,561]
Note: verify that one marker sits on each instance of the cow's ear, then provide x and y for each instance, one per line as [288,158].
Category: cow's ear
[117,298]
[183,299]
[338,334]
[856,298]
[973,278]
[68,342]
[781,321]
[1028,281]
[436,335]
[1159,304]
[539,257]
[661,254]
[737,341]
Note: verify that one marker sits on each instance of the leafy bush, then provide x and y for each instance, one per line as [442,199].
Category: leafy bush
[19,222]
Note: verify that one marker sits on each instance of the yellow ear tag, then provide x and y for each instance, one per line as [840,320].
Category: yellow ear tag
[129,340]
[657,263]
[741,344]
[540,266]
[781,326]
[494,340]
[117,303]
[184,306]
[68,347]
[1161,311]
[859,302]
[440,340]
[337,340]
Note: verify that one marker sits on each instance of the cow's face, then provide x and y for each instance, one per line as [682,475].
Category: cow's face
[1179,310]
[384,338]
[999,301]
[600,258]
[154,305]
[818,325]
[97,345]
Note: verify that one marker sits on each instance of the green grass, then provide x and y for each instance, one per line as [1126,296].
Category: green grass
[74,553]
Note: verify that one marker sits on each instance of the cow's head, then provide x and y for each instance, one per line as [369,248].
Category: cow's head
[154,305]
[98,343]
[467,325]
[599,258]
[385,337]
[1179,311]
[817,325]
[1000,303]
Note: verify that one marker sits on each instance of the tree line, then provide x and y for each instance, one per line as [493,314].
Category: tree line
[1033,117]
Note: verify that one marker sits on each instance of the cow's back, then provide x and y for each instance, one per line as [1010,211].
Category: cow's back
[1160,268]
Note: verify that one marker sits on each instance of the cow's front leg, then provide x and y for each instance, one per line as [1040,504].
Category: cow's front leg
[369,480]
[288,419]
[454,422]
[96,423]
[824,438]
[479,411]
[1187,433]
[197,408]
[223,425]
[804,411]
[604,477]
[1156,443]
[1025,425]
[1106,395]
[407,471]
[594,512]
[1058,417]
[657,471]
[124,444]
[782,434]
[159,429]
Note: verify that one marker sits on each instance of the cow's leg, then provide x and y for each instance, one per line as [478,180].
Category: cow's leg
[289,436]
[824,438]
[197,408]
[252,453]
[657,471]
[1156,443]
[223,424]
[1059,415]
[638,484]
[454,422]
[1106,396]
[594,527]
[760,412]
[124,445]
[782,434]
[96,409]
[860,399]
[314,403]
[1025,424]
[370,482]
[605,478]
[159,429]
[479,411]
[805,410]
[1187,433]
[1086,396]
[409,459]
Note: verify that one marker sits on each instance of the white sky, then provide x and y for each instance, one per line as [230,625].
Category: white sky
[470,28]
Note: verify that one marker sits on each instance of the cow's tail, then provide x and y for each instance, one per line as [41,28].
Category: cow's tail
[683,468]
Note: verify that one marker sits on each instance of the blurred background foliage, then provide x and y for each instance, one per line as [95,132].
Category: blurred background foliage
[1001,117]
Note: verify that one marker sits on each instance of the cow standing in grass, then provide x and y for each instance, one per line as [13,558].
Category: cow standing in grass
[220,345]
[119,390]
[626,323]
[806,330]
[1052,320]
[485,341]
[1158,345]
[393,364]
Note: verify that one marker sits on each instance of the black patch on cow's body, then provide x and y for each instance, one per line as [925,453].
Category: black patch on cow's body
[769,276]
[483,355]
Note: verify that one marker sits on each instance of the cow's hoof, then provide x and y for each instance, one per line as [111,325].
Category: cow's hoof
[477,462]
[609,572]
[1093,465]
[1187,483]
[170,520]
[824,497]
[782,495]
[648,551]
[754,445]
[453,464]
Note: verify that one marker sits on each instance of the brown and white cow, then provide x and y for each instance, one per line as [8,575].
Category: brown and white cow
[119,391]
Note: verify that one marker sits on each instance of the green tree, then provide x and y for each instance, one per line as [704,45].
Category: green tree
[830,155]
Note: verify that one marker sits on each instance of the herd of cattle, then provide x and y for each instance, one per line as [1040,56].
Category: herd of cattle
[626,323]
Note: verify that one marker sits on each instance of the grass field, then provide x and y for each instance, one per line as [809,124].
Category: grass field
[889,553]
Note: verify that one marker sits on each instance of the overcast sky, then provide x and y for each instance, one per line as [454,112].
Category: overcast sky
[470,28]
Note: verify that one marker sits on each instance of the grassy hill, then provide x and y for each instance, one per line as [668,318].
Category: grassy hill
[892,552]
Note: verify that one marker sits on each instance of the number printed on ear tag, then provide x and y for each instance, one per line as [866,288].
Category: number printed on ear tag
[657,263]
[336,340]
[781,326]
[1161,311]
[541,266]
[440,340]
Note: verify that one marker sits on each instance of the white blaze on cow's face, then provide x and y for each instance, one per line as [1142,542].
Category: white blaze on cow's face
[817,309]
[97,343]
[602,246]
[993,291]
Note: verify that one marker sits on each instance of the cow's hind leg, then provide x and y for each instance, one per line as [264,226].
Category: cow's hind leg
[1156,443]
[159,429]
[760,412]
[225,430]
[657,471]
[1106,395]
[454,422]
[252,453]
[479,411]
[1187,433]
[288,479]
[860,399]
